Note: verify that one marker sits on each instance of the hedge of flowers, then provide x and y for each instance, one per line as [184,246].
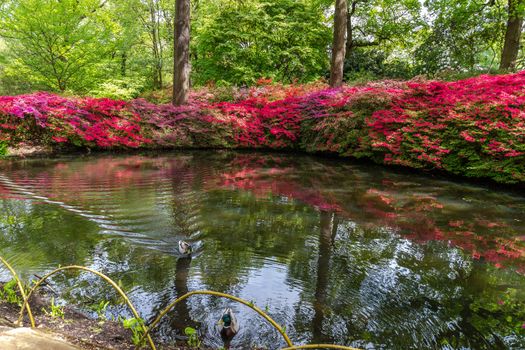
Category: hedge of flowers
[44,118]
[473,127]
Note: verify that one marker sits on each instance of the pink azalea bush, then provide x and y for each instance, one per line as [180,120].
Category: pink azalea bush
[473,127]
[48,118]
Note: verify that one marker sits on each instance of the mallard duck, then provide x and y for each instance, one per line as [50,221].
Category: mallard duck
[185,248]
[229,327]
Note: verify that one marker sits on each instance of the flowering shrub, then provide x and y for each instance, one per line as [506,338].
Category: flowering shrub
[473,127]
[47,118]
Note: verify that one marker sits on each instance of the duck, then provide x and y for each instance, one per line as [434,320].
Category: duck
[229,327]
[185,248]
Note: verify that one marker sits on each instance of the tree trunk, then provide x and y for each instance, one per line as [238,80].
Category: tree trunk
[350,30]
[160,62]
[155,46]
[123,60]
[511,45]
[181,67]
[338,45]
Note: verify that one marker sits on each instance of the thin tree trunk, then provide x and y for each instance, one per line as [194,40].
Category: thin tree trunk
[350,30]
[181,67]
[159,41]
[338,45]
[511,46]
[157,84]
[123,60]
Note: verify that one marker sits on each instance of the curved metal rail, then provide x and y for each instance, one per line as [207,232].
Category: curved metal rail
[147,330]
[22,293]
[105,278]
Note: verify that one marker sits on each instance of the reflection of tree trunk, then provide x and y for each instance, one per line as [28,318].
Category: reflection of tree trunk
[335,224]
[183,208]
[181,318]
[328,224]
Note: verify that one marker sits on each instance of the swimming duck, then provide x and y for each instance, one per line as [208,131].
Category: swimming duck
[185,248]
[229,327]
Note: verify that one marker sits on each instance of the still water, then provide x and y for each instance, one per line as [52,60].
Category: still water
[336,252]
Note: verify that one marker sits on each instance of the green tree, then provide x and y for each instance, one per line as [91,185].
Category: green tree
[240,42]
[465,35]
[58,43]
[381,35]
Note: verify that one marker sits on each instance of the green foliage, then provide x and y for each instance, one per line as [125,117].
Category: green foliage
[100,309]
[135,326]
[9,293]
[55,311]
[381,36]
[504,312]
[193,337]
[465,36]
[60,43]
[241,42]
[122,48]
[119,89]
[363,65]
[3,149]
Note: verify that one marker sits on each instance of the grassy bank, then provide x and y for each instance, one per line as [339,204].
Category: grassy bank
[473,127]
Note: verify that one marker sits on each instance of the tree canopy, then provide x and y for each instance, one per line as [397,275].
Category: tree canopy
[120,48]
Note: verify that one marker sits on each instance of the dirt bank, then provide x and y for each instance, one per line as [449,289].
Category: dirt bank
[76,328]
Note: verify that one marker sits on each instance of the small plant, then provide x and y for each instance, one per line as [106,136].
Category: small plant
[193,337]
[267,308]
[100,309]
[56,311]
[9,293]
[135,326]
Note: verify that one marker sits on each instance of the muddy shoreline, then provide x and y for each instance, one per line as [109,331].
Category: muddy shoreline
[77,328]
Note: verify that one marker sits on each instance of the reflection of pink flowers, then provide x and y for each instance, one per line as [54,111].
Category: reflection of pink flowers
[59,138]
[501,302]
[456,223]
[414,215]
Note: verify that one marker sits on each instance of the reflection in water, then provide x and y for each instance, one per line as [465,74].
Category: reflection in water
[328,227]
[182,319]
[336,252]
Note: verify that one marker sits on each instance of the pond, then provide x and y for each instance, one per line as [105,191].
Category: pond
[335,251]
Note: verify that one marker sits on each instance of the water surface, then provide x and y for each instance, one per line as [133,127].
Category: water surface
[336,252]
